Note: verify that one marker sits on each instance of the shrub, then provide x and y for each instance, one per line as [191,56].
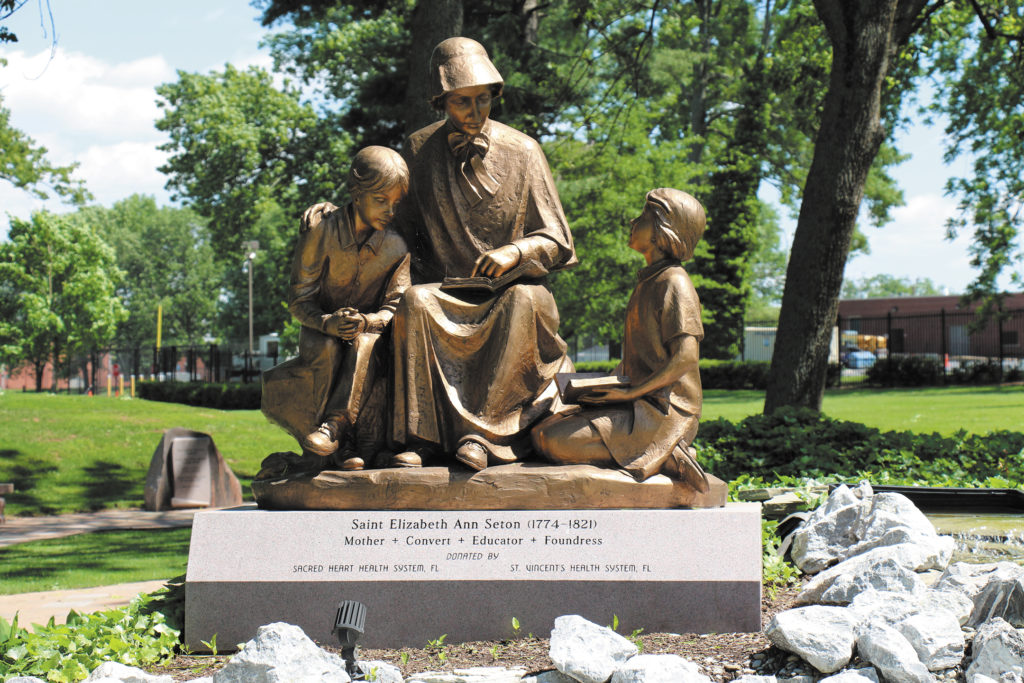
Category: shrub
[204,394]
[906,371]
[798,442]
[714,374]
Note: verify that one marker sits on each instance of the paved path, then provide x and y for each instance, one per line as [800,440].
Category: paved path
[22,529]
[37,608]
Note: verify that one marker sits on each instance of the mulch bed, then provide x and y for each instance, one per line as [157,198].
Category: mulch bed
[721,656]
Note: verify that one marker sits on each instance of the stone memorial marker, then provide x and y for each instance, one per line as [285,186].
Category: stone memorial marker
[190,469]
[187,470]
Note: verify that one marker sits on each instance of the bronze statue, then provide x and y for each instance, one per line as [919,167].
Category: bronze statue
[348,273]
[474,371]
[647,427]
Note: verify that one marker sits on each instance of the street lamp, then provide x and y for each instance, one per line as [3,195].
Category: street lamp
[251,248]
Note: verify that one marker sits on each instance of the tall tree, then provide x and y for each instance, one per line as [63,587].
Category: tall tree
[249,157]
[866,40]
[63,279]
[168,260]
[24,164]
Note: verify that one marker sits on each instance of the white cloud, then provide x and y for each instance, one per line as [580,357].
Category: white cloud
[914,245]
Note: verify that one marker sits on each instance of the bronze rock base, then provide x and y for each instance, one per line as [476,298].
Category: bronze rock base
[519,486]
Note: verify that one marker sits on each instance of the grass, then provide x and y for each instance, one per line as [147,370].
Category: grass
[78,453]
[97,559]
[946,410]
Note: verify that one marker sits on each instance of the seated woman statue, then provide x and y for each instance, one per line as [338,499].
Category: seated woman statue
[474,371]
[647,427]
[348,273]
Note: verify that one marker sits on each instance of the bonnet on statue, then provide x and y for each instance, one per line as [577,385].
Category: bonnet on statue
[461,63]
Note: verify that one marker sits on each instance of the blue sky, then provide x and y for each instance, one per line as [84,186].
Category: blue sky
[94,103]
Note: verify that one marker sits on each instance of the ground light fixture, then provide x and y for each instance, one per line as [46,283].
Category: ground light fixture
[349,623]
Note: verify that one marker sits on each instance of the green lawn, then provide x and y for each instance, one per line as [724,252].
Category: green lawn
[97,559]
[978,410]
[74,453]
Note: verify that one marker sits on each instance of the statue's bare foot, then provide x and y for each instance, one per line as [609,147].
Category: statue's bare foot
[472,455]
[324,441]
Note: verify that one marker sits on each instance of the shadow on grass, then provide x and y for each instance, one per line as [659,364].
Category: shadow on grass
[108,553]
[109,482]
[25,476]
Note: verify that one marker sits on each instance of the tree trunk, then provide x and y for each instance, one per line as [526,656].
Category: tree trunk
[864,38]
[432,22]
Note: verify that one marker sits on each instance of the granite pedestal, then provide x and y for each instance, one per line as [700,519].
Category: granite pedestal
[468,573]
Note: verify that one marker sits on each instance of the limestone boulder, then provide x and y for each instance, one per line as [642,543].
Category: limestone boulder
[1002,597]
[880,569]
[970,578]
[854,521]
[866,675]
[823,636]
[893,655]
[587,652]
[659,669]
[998,650]
[936,637]
[382,672]
[282,653]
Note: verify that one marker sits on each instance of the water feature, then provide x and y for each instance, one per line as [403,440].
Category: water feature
[983,536]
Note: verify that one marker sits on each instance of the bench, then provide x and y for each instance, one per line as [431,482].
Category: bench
[4,490]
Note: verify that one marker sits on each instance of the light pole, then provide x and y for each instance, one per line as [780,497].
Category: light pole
[251,248]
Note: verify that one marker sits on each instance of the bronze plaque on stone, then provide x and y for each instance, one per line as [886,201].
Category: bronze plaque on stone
[191,472]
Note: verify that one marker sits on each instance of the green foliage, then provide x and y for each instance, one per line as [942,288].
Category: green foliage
[58,294]
[249,157]
[799,442]
[714,374]
[24,164]
[979,49]
[906,371]
[223,396]
[776,572]
[137,635]
[881,286]
[167,256]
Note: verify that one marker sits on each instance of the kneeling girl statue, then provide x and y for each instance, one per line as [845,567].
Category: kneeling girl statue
[647,427]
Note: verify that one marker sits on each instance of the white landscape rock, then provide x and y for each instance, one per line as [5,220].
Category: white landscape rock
[852,522]
[936,637]
[823,636]
[1002,597]
[552,676]
[659,669]
[893,655]
[25,679]
[970,578]
[588,652]
[998,649]
[283,653]
[880,569]
[382,671]
[753,678]
[865,675]
[476,674]
[115,672]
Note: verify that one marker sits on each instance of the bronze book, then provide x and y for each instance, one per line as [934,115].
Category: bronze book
[572,385]
[480,283]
